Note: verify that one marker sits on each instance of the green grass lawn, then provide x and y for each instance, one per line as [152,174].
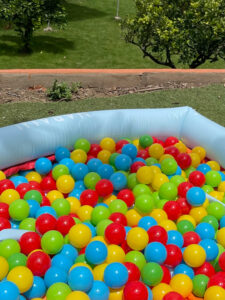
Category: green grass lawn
[209,101]
[92,39]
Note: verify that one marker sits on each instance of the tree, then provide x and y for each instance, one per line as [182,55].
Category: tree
[29,15]
[187,32]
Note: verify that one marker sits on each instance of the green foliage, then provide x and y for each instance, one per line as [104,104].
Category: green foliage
[29,15]
[189,32]
[62,91]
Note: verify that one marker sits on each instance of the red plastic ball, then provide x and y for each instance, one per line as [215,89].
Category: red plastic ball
[133,271]
[118,218]
[172,151]
[197,178]
[115,234]
[143,154]
[29,241]
[184,205]
[183,187]
[36,186]
[190,238]
[166,275]
[64,223]
[4,210]
[222,261]
[135,290]
[184,160]
[157,234]
[48,184]
[89,157]
[45,201]
[4,223]
[173,296]
[135,166]
[170,141]
[206,269]
[173,210]
[94,149]
[127,196]
[174,256]
[217,279]
[104,187]
[120,144]
[89,197]
[6,184]
[45,222]
[23,188]
[125,247]
[39,262]
[82,251]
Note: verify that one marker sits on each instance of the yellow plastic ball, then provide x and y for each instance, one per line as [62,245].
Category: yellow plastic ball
[116,294]
[2,175]
[198,213]
[181,147]
[145,175]
[214,293]
[22,277]
[34,176]
[115,254]
[109,199]
[4,269]
[168,225]
[218,195]
[159,215]
[65,184]
[9,195]
[78,156]
[214,165]
[104,156]
[187,218]
[77,295]
[206,203]
[81,265]
[137,238]
[84,212]
[133,217]
[155,170]
[156,150]
[221,187]
[54,195]
[195,159]
[74,204]
[194,255]
[109,144]
[158,180]
[100,239]
[160,290]
[200,151]
[98,272]
[220,236]
[182,284]
[137,144]
[164,156]
[183,174]
[79,235]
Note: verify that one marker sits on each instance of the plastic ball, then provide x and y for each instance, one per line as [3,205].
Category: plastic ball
[205,231]
[115,275]
[159,215]
[8,196]
[174,256]
[9,290]
[22,277]
[79,235]
[38,262]
[212,221]
[175,238]
[115,234]
[145,141]
[200,285]
[61,207]
[173,210]
[168,191]
[213,178]
[216,209]
[29,241]
[115,254]
[98,272]
[184,160]
[137,238]
[4,223]
[194,255]
[135,290]
[191,237]
[217,279]
[222,261]
[147,222]
[17,259]
[184,226]
[43,165]
[38,288]
[108,143]
[118,180]
[65,184]
[101,227]
[33,195]
[82,144]
[99,291]
[104,156]
[123,162]
[4,267]
[62,261]
[144,203]
[173,296]
[45,223]
[9,247]
[197,178]
[60,170]
[215,293]
[220,236]
[144,175]
[104,187]
[182,284]
[52,242]
[96,252]
[152,274]
[155,252]
[195,196]
[58,291]
[205,269]
[80,279]
[91,179]
[134,273]
[198,213]
[118,206]
[118,218]
[160,291]
[55,274]
[64,223]
[136,258]
[157,234]
[78,156]
[184,269]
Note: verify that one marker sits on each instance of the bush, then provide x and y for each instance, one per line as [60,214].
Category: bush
[62,91]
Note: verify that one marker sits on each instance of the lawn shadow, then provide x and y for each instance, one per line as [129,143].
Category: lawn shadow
[9,45]
[78,12]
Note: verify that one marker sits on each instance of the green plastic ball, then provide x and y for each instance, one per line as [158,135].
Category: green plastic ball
[177,179]
[19,210]
[58,291]
[156,196]
[169,166]
[216,209]
[189,170]
[160,204]
[145,141]
[151,161]
[141,189]
[61,206]
[168,191]
[213,178]
[200,285]
[33,195]
[99,213]
[118,206]
[132,181]
[101,227]
[28,224]
[136,258]
[82,144]
[81,259]
[52,242]
[144,203]
[152,274]
[185,226]
[9,247]
[91,179]
[112,158]
[207,189]
[212,221]
[17,259]
[60,170]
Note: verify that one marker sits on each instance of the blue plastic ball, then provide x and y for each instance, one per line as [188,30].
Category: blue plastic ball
[150,295]
[155,252]
[204,168]
[9,291]
[222,175]
[127,228]
[92,228]
[14,224]
[99,291]
[53,275]
[62,261]
[34,206]
[184,269]
[118,180]
[115,275]
[205,231]
[178,171]
[43,165]
[46,210]
[96,252]
[222,222]
[80,279]
[76,193]
[37,290]
[93,164]
[147,222]
[211,249]
[123,162]
[195,196]
[105,171]
[79,185]
[79,171]
[175,238]
[17,180]
[130,150]
[61,153]
[67,162]
[69,251]
[139,159]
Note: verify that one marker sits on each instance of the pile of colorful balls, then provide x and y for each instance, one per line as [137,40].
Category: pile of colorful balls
[125,220]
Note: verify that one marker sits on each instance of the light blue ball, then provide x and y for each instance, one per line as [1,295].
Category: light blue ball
[139,159]
[99,291]
[175,238]
[9,291]
[93,164]
[222,222]
[17,180]
[204,168]
[130,150]
[69,251]
[75,193]
[118,180]
[92,228]
[79,184]
[115,275]
[68,162]
[147,222]
[53,275]
[96,252]
[46,210]
[150,295]
[195,196]
[211,249]
[184,269]
[62,261]
[205,231]
[79,171]
[123,162]
[105,171]
[37,290]
[80,279]
[155,252]
[43,165]
[34,206]
[61,153]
